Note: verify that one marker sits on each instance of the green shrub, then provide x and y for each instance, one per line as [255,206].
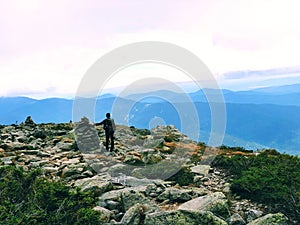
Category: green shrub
[183,177]
[40,134]
[28,198]
[139,132]
[270,178]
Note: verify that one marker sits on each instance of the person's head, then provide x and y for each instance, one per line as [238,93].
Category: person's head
[107,115]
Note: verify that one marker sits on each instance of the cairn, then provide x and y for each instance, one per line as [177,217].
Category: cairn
[86,136]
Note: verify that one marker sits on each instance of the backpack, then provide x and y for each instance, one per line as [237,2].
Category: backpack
[109,125]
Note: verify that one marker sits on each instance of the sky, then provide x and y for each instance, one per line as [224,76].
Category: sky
[46,47]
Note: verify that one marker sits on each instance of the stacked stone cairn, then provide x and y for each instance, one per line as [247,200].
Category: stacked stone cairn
[86,136]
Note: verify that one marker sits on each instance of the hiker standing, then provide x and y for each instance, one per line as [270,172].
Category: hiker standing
[109,127]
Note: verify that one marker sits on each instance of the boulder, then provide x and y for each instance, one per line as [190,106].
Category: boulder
[215,203]
[201,169]
[135,182]
[271,219]
[95,184]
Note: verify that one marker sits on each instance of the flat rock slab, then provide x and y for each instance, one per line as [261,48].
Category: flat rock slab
[201,169]
[215,203]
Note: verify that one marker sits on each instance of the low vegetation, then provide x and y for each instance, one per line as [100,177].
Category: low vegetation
[29,198]
[269,178]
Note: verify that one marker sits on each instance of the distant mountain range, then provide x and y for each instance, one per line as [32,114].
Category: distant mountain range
[263,117]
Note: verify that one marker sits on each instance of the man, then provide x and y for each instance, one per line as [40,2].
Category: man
[109,127]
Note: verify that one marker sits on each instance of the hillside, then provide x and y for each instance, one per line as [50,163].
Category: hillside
[153,177]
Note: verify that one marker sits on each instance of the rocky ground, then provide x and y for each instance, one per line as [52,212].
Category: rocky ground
[152,177]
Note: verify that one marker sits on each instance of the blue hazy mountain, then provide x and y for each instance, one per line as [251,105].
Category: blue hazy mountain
[264,117]
[286,89]
[271,95]
[8,105]
[46,110]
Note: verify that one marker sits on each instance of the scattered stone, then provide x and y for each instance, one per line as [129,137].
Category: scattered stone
[125,195]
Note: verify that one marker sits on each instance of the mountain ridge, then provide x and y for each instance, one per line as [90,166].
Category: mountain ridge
[252,117]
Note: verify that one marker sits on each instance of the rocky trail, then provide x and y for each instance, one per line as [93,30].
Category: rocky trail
[152,177]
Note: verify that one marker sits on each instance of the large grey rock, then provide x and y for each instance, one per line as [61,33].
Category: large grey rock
[201,169]
[183,218]
[94,183]
[130,181]
[271,219]
[135,182]
[215,203]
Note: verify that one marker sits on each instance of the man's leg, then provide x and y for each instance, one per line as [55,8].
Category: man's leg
[112,141]
[107,140]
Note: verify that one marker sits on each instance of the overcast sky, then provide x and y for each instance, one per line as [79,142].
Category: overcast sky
[47,46]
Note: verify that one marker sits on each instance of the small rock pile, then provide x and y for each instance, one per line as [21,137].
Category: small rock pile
[149,179]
